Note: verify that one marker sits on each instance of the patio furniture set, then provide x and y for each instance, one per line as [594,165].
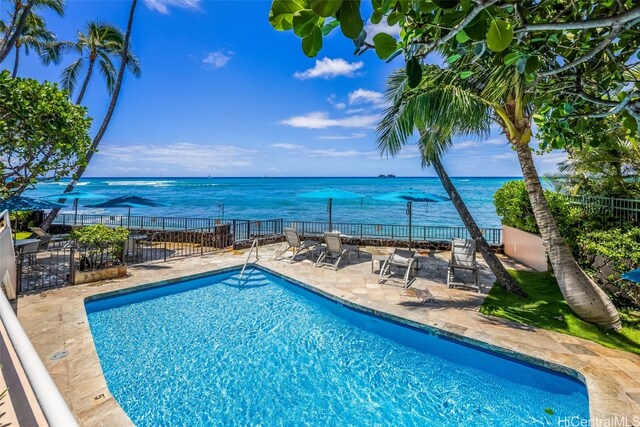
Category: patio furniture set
[399,261]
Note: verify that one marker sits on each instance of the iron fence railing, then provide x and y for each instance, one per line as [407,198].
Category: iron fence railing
[394,232]
[622,209]
[139,222]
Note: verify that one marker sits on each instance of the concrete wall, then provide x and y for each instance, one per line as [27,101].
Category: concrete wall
[524,247]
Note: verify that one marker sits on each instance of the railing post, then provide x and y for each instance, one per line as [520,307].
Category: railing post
[72,265]
[202,242]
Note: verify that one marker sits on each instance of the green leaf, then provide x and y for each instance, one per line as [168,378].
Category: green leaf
[533,64]
[466,74]
[414,72]
[312,44]
[385,45]
[478,27]
[326,8]
[462,37]
[351,22]
[520,64]
[304,21]
[453,58]
[376,17]
[281,13]
[549,411]
[327,28]
[499,36]
[511,58]
[446,4]
[567,107]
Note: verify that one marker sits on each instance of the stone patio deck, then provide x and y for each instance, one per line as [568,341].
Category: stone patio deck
[55,320]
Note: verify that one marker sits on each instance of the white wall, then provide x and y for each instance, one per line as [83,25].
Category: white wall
[524,247]
[7,257]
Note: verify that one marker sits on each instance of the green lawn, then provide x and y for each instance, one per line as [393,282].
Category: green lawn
[23,234]
[547,309]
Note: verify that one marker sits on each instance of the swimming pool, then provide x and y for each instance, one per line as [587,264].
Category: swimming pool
[211,351]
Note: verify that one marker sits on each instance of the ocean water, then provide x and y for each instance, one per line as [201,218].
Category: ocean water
[214,352]
[268,198]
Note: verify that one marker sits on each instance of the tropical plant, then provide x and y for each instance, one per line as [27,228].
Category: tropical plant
[18,19]
[99,43]
[103,245]
[611,169]
[42,134]
[519,57]
[403,116]
[107,118]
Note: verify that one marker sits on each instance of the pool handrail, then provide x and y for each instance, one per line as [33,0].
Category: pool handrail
[53,406]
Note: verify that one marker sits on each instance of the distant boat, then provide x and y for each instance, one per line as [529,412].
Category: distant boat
[386,176]
[391,176]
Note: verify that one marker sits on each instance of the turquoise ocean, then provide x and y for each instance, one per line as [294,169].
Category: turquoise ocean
[268,198]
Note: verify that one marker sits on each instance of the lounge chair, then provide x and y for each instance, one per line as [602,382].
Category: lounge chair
[463,257]
[335,249]
[294,242]
[44,243]
[55,238]
[29,251]
[400,258]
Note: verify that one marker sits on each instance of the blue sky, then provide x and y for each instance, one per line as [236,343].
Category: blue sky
[223,93]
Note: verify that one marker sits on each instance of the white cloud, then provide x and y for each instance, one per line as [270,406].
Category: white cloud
[324,152]
[462,145]
[365,96]
[340,106]
[327,68]
[286,146]
[217,59]
[163,6]
[355,110]
[191,157]
[355,135]
[381,27]
[321,120]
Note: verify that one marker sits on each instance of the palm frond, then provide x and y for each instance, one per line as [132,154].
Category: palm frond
[55,5]
[70,75]
[108,72]
[133,64]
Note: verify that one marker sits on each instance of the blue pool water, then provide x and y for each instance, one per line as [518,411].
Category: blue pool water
[209,352]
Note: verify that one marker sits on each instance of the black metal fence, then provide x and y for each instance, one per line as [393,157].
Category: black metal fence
[394,232]
[624,210]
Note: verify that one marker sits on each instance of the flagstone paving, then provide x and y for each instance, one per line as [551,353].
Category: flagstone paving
[55,320]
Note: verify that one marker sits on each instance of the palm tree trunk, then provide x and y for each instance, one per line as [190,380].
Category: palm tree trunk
[105,122]
[16,62]
[584,297]
[501,273]
[92,62]
[12,38]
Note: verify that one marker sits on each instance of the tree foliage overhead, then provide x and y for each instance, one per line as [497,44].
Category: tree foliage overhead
[42,134]
[579,58]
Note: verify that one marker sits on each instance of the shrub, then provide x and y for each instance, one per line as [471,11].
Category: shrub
[514,208]
[104,246]
[100,236]
[610,253]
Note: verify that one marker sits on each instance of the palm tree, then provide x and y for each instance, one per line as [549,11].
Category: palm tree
[100,42]
[444,100]
[36,36]
[125,55]
[398,124]
[19,17]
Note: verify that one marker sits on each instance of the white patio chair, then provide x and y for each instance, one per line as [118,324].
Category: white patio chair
[463,257]
[335,249]
[294,242]
[400,258]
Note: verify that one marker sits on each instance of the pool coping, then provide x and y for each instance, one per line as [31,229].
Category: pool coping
[431,329]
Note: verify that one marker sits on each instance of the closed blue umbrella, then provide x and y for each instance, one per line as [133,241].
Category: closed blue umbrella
[127,202]
[410,196]
[330,194]
[77,195]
